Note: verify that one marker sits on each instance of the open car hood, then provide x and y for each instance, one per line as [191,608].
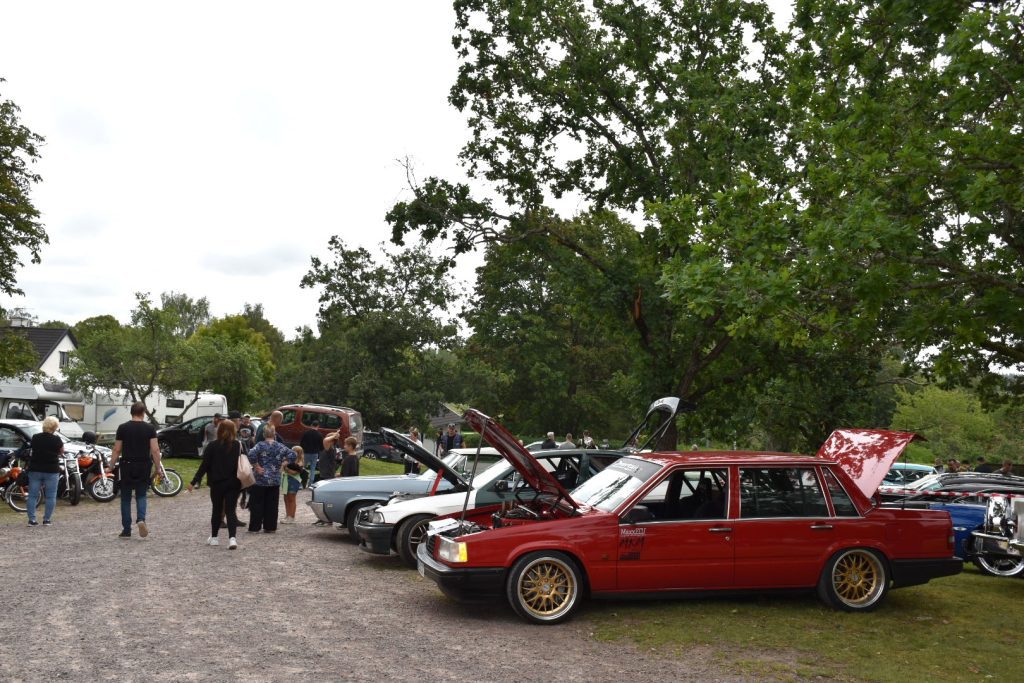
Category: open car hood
[866,454]
[659,417]
[532,472]
[422,456]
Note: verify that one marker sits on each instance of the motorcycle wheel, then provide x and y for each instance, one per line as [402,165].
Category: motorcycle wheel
[16,498]
[170,485]
[74,492]
[101,489]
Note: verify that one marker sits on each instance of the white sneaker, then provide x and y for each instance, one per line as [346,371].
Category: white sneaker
[288,520]
[232,543]
[212,540]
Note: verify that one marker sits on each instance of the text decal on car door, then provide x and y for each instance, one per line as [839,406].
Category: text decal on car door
[631,542]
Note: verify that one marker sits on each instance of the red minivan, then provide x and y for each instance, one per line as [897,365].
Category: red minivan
[300,417]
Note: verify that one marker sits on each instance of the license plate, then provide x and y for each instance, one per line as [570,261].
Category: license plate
[421,569]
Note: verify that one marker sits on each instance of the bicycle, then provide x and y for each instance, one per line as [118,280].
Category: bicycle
[166,482]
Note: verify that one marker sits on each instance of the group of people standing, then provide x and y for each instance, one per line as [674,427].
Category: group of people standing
[549,442]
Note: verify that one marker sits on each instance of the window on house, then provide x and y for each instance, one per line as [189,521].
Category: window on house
[64,358]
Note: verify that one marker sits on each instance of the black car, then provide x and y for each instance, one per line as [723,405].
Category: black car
[375,448]
[185,439]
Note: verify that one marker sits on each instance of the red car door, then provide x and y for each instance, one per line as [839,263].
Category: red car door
[784,528]
[678,537]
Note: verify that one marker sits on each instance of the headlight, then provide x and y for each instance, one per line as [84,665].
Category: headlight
[377,518]
[451,551]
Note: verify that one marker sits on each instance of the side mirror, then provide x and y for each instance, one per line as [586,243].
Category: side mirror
[502,486]
[639,513]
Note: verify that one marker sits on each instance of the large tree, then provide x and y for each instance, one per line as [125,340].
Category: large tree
[20,227]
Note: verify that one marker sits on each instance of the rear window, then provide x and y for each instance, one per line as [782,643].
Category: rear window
[781,492]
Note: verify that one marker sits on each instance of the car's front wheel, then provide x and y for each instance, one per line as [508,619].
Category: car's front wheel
[999,566]
[411,532]
[854,580]
[353,516]
[545,587]
[166,451]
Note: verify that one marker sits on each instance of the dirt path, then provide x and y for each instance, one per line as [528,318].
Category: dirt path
[302,602]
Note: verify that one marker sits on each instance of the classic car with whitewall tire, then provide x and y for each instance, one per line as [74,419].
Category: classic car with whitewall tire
[338,500]
[666,524]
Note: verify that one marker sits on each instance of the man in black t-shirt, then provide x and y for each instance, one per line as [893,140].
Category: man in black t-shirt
[312,442]
[136,440]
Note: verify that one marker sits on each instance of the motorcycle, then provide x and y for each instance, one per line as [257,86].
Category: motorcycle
[166,482]
[97,480]
[69,486]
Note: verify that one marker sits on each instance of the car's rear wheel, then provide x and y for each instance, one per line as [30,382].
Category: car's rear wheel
[166,451]
[411,532]
[854,580]
[545,587]
[999,566]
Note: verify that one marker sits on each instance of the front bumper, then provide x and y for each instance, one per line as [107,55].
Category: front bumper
[465,584]
[375,537]
[917,572]
[318,510]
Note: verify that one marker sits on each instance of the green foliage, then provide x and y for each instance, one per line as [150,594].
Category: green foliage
[20,227]
[191,313]
[18,357]
[953,422]
[229,357]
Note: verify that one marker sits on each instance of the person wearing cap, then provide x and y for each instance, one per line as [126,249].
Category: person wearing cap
[451,439]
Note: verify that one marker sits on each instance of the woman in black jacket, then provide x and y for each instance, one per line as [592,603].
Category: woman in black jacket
[44,470]
[220,465]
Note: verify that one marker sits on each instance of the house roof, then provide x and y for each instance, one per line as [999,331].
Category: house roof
[43,339]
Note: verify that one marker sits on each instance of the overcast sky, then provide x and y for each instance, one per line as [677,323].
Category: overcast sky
[211,148]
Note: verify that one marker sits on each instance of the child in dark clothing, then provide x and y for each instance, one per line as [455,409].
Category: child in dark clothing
[350,461]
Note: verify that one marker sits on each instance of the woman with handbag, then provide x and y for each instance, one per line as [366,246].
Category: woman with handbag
[220,465]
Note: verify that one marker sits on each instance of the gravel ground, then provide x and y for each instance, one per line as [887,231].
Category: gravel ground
[83,604]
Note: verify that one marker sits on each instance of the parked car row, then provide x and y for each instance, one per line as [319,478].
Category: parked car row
[546,529]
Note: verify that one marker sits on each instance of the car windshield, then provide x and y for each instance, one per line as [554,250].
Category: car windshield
[462,463]
[607,489]
[926,483]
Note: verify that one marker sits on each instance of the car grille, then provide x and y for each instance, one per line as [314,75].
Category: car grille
[431,544]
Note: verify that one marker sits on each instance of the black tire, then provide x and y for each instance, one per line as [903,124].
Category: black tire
[169,485]
[371,454]
[352,516]
[545,587]
[999,566]
[74,492]
[411,532]
[101,489]
[854,580]
[166,450]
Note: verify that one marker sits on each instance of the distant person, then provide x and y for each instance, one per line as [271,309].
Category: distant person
[568,443]
[412,466]
[1007,468]
[939,467]
[588,440]
[329,459]
[450,440]
[136,441]
[220,466]
[291,481]
[549,443]
[246,433]
[44,470]
[984,466]
[210,430]
[267,457]
[312,442]
[350,461]
[275,418]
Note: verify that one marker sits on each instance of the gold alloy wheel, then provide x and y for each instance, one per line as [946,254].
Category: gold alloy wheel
[547,587]
[858,578]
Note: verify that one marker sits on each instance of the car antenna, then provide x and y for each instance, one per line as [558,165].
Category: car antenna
[476,461]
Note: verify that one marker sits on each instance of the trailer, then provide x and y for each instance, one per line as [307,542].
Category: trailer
[106,409]
[24,400]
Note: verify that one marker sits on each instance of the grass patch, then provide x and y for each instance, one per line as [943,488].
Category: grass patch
[960,628]
[369,467]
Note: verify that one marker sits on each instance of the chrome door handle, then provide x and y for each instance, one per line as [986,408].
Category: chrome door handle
[821,526]
[720,529]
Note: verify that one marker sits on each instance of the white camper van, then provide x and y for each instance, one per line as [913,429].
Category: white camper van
[28,401]
[105,410]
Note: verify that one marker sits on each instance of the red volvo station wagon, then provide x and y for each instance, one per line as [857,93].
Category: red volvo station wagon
[657,524]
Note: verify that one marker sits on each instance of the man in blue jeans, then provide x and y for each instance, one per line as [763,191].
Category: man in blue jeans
[136,439]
